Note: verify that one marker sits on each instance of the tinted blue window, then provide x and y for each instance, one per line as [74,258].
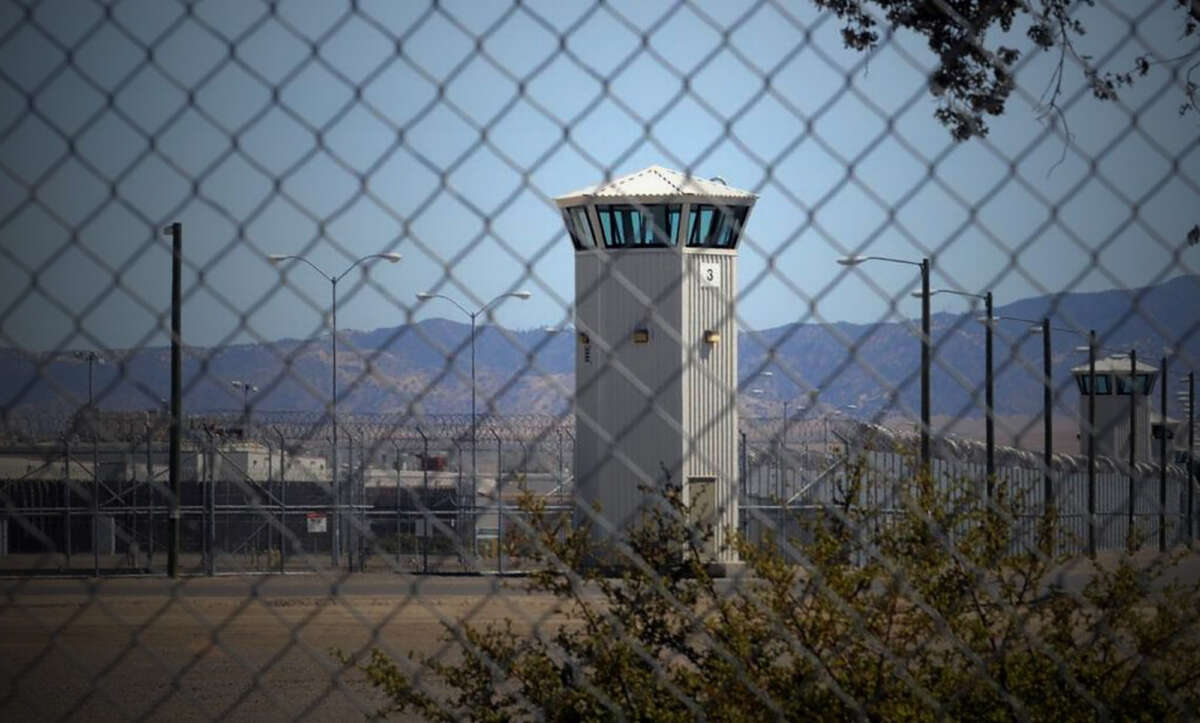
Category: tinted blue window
[578,227]
[638,225]
[582,228]
[715,226]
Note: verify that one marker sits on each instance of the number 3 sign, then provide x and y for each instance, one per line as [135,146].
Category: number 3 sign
[710,275]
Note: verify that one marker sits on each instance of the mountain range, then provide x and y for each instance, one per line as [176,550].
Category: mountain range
[425,367]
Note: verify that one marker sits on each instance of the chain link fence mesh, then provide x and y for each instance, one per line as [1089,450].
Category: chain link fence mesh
[347,498]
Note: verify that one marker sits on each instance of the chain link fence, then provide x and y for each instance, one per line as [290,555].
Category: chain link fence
[371,480]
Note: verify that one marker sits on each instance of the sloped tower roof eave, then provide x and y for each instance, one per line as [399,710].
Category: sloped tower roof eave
[1115,364]
[655,183]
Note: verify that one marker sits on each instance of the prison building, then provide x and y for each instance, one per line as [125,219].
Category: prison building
[656,353]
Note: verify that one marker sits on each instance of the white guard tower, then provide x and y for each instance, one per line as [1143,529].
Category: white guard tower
[1112,390]
[656,354]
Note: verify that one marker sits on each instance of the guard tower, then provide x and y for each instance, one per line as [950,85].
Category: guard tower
[656,353]
[1114,392]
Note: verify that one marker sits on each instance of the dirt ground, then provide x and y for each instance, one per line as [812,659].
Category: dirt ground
[257,648]
[223,648]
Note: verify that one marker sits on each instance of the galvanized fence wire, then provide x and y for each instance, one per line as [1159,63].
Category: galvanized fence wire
[241,117]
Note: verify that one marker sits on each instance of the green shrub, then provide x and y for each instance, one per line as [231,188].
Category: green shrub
[931,612]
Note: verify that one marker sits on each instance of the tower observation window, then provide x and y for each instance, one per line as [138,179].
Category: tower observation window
[579,228]
[1103,384]
[639,225]
[1143,384]
[715,226]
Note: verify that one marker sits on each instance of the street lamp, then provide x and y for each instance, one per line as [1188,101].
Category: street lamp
[426,296]
[246,388]
[336,539]
[91,358]
[769,376]
[926,340]
[989,381]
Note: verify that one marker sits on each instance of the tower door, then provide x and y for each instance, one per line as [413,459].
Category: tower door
[702,511]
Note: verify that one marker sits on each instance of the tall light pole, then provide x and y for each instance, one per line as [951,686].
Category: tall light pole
[1042,326]
[1091,440]
[769,376]
[1132,433]
[1191,441]
[1047,405]
[1092,443]
[926,340]
[989,382]
[246,388]
[335,546]
[1162,457]
[473,315]
[175,525]
[92,359]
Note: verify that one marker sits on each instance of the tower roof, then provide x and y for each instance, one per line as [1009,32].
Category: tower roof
[657,182]
[1114,364]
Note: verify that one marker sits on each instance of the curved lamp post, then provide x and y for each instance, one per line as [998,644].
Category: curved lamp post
[473,315]
[335,541]
[926,341]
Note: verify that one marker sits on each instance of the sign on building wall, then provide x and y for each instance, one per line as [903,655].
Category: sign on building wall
[710,275]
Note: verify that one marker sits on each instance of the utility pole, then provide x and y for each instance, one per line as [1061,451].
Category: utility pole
[174,527]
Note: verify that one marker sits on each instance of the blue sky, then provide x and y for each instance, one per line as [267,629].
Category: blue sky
[443,132]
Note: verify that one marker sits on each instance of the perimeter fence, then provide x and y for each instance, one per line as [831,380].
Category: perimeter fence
[724,343]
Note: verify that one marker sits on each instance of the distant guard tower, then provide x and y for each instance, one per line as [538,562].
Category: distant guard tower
[656,353]
[1113,389]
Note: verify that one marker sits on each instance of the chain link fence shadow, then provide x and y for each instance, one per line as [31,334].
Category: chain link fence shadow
[940,260]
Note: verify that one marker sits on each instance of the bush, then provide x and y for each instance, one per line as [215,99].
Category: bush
[933,612]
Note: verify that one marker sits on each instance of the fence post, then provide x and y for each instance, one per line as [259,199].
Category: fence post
[459,497]
[149,498]
[270,486]
[1132,440]
[129,503]
[348,484]
[1162,459]
[426,527]
[499,504]
[558,473]
[95,500]
[210,506]
[67,495]
[1191,509]
[396,497]
[282,501]
[1091,443]
[779,517]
